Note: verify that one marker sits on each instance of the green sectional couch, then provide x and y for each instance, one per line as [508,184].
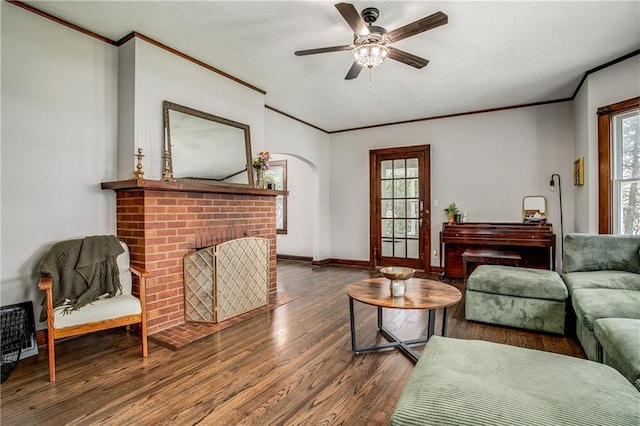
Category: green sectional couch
[602,275]
[619,339]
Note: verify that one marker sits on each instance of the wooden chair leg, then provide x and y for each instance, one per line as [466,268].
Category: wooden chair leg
[51,352]
[143,335]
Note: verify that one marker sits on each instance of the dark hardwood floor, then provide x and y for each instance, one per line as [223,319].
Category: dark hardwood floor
[290,366]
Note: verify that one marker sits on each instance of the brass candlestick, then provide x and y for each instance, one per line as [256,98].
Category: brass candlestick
[167,176]
[138,173]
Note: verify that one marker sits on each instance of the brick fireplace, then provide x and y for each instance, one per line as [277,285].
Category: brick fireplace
[161,222]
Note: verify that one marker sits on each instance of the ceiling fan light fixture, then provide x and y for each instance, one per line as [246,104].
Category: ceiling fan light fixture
[370,55]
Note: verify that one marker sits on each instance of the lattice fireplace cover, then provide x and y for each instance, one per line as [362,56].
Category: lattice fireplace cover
[226,280]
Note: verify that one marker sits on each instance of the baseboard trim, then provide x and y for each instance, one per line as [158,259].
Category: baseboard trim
[340,262]
[294,257]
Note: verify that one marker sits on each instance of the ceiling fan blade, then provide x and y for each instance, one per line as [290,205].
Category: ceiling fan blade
[354,71]
[324,50]
[407,58]
[421,25]
[351,15]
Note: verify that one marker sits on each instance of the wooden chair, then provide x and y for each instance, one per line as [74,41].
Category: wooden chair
[121,310]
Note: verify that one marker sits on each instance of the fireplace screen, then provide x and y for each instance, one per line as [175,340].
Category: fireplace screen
[226,280]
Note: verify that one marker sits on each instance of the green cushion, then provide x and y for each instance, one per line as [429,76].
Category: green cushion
[588,342]
[620,340]
[591,304]
[590,252]
[469,382]
[621,280]
[521,282]
[513,311]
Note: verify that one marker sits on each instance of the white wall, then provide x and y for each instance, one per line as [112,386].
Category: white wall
[126,110]
[59,116]
[287,136]
[159,76]
[610,85]
[298,240]
[486,163]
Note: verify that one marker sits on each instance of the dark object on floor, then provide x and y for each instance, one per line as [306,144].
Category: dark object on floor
[13,323]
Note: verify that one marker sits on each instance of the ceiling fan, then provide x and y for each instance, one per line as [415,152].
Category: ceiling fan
[371,44]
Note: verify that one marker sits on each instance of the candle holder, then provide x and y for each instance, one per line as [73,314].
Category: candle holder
[138,173]
[167,176]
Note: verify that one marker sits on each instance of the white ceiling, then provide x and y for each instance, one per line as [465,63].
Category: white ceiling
[489,55]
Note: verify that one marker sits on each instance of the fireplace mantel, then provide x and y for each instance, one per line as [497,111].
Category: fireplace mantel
[188,186]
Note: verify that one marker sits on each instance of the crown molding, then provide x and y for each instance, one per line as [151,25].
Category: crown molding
[128,37]
[237,80]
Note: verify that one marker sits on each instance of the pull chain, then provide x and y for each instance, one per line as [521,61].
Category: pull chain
[370,84]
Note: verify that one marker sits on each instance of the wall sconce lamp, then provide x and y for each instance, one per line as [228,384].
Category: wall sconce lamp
[552,187]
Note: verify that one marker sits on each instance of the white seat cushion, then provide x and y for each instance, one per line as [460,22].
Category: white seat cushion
[125,272]
[100,310]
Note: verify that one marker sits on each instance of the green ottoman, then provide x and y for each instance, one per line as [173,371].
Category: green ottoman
[470,382]
[620,342]
[517,297]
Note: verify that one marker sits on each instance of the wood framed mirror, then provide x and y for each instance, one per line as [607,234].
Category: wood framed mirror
[534,209]
[207,148]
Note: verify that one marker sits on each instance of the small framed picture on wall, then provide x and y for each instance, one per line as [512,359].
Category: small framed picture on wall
[578,171]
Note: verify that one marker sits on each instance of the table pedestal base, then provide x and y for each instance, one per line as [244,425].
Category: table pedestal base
[394,342]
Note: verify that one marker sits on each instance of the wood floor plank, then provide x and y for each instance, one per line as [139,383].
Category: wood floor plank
[291,366]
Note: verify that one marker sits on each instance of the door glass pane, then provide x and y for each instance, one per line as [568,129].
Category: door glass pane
[412,228]
[399,249]
[399,208]
[387,248]
[386,169]
[387,228]
[412,188]
[399,228]
[412,249]
[412,208]
[398,188]
[386,209]
[387,188]
[398,169]
[412,167]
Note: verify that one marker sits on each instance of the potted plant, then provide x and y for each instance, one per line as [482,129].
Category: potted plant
[451,211]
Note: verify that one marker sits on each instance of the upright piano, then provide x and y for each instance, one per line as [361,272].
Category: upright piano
[535,242]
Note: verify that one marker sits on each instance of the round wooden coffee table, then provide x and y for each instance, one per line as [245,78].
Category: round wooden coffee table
[420,294]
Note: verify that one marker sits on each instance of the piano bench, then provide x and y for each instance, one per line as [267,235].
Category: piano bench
[532,299]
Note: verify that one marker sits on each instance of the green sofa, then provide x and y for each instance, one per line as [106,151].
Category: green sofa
[619,339]
[602,275]
[471,382]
